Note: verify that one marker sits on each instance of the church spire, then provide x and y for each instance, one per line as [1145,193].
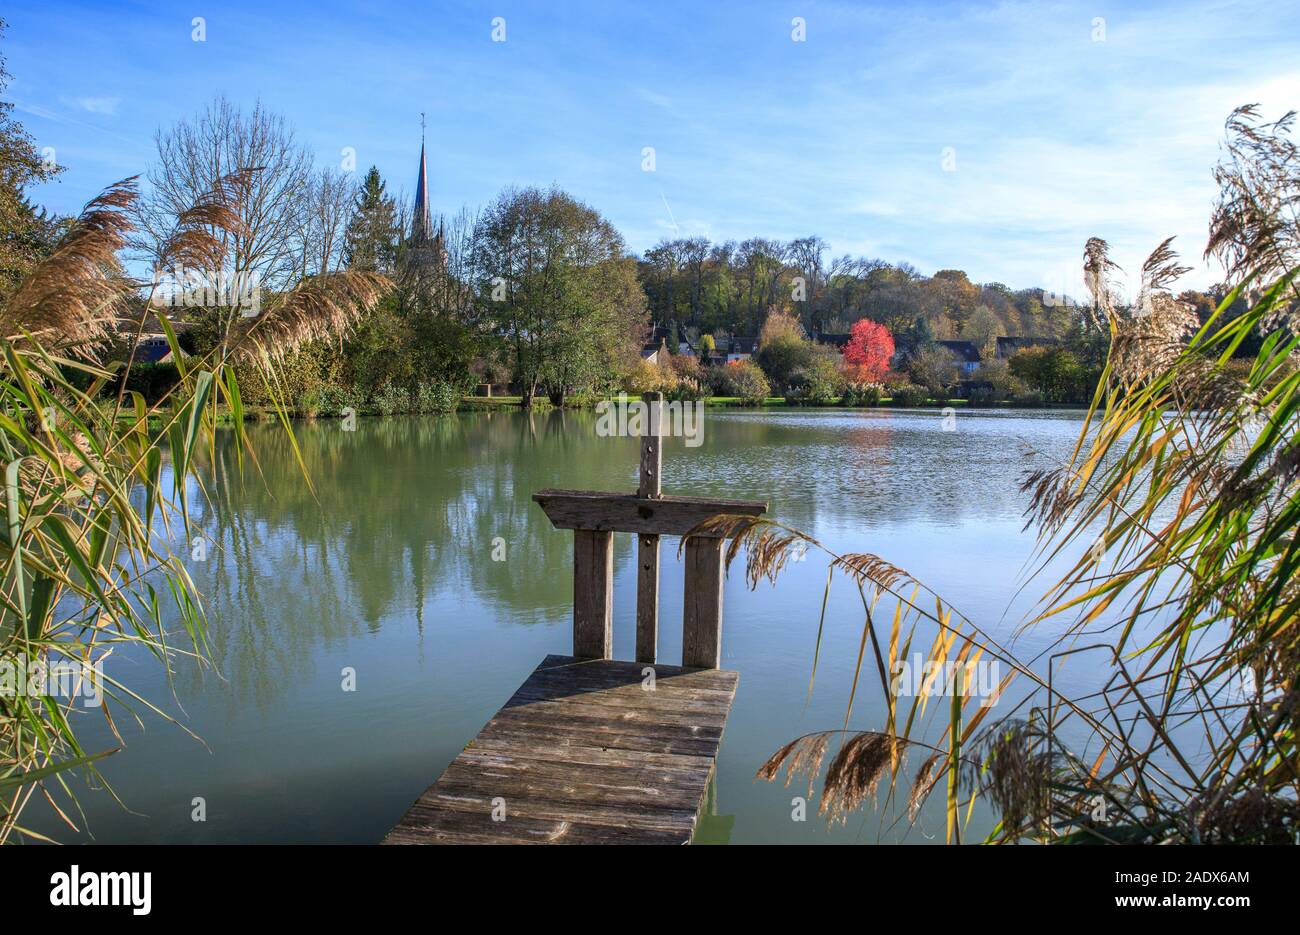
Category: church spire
[421,223]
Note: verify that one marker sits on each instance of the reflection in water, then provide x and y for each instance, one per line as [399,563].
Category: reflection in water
[386,568]
[402,509]
[713,828]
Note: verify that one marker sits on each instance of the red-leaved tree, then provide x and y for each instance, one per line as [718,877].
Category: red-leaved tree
[866,356]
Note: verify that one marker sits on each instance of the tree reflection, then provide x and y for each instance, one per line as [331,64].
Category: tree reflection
[404,511]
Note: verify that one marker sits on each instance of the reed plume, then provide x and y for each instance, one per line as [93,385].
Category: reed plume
[197,240]
[321,307]
[72,297]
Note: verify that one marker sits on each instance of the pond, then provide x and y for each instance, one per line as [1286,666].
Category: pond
[420,563]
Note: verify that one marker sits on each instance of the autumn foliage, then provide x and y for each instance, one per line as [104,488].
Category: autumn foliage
[866,356]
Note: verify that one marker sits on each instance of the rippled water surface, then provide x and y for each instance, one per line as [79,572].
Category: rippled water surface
[388,569]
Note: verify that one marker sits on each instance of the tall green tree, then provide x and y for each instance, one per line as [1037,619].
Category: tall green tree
[373,233]
[560,289]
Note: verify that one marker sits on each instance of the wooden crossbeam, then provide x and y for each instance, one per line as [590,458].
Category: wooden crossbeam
[615,512]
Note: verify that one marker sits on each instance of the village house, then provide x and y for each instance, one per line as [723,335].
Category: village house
[965,355]
[655,353]
[739,349]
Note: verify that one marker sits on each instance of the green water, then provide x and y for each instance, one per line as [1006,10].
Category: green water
[388,570]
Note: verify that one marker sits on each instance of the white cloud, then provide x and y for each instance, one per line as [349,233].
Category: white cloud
[662,101]
[98,105]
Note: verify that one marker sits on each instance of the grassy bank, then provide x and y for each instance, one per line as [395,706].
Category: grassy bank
[511,403]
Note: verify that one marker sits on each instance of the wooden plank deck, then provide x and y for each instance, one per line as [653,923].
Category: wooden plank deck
[583,754]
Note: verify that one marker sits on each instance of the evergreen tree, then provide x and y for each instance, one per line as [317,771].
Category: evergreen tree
[920,336]
[372,235]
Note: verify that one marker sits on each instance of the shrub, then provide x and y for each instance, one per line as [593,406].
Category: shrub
[152,380]
[1004,384]
[651,378]
[687,392]
[909,395]
[437,397]
[746,381]
[332,400]
[783,351]
[718,380]
[863,394]
[818,382]
[585,398]
[1032,399]
[1055,373]
[391,400]
[982,396]
[298,376]
[686,368]
[932,367]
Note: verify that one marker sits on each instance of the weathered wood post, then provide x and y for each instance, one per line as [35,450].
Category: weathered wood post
[593,593]
[702,603]
[647,556]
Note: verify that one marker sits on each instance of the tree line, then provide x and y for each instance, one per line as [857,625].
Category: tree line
[536,288]
[732,287]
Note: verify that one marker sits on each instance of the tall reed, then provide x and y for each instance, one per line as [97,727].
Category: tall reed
[86,565]
[1176,516]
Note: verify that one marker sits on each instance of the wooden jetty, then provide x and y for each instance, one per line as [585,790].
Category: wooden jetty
[591,750]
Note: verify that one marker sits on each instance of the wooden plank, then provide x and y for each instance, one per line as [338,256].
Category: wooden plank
[582,756]
[519,779]
[577,712]
[612,512]
[702,603]
[593,594]
[617,702]
[549,685]
[647,598]
[479,799]
[578,731]
[585,752]
[475,826]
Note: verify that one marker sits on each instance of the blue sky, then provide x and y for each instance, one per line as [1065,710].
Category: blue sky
[1059,121]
